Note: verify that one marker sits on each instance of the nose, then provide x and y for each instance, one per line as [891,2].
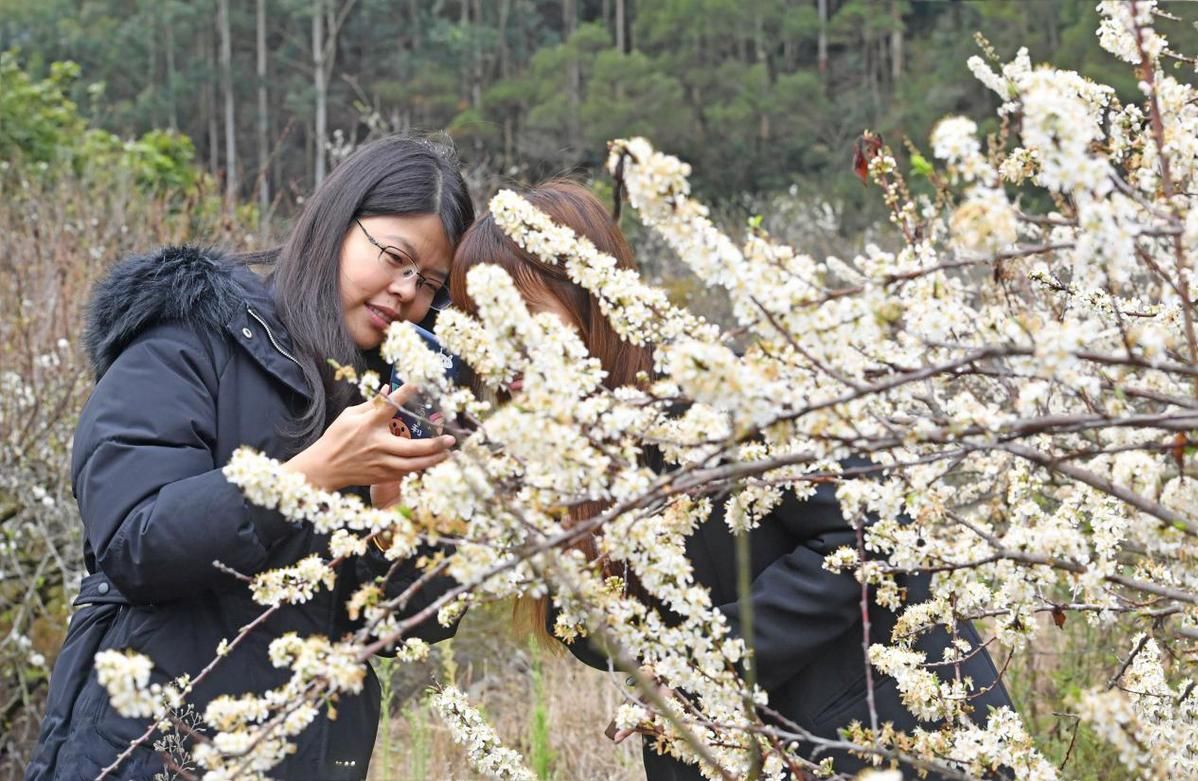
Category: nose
[403,289]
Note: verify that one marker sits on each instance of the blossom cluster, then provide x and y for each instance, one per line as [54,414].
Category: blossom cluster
[484,749]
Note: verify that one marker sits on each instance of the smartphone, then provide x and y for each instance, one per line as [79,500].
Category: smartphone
[420,418]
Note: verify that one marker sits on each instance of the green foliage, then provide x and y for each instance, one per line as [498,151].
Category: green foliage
[735,87]
[629,96]
[160,161]
[384,667]
[417,751]
[37,119]
[541,754]
[42,131]
[1045,682]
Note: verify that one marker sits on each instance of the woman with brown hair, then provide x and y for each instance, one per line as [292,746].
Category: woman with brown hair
[550,289]
[807,623]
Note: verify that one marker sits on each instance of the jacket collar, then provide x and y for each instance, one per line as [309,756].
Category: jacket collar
[256,328]
[204,288]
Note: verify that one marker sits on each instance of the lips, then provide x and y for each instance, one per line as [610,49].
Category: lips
[381,316]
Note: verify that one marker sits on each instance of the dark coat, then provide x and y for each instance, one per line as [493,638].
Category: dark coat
[807,627]
[191,363]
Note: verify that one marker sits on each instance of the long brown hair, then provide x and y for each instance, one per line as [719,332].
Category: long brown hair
[571,205]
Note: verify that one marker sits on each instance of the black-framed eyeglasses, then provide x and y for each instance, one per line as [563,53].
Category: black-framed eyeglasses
[402,263]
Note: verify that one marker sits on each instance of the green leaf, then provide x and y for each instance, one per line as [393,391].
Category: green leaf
[920,166]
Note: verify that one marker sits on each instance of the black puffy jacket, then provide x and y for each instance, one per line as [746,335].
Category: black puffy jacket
[191,363]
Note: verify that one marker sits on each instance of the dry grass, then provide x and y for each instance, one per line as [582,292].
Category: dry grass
[498,674]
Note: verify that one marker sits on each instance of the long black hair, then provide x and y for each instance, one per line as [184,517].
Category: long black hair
[397,175]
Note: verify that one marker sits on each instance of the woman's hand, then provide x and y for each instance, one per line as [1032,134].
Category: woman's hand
[358,448]
[384,495]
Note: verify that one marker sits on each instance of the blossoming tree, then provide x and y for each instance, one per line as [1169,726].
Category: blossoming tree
[1015,389]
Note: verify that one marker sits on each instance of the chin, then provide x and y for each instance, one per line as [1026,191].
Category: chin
[367,340]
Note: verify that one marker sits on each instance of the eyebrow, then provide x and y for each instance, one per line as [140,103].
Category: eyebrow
[403,244]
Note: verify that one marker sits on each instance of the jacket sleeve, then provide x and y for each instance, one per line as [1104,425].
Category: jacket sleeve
[798,606]
[157,511]
[587,650]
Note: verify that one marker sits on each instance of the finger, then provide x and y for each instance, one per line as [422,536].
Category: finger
[402,466]
[401,447]
[395,399]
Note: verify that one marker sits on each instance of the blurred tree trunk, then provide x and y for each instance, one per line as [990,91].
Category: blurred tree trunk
[788,46]
[620,42]
[476,85]
[620,47]
[155,20]
[414,14]
[464,72]
[573,75]
[208,100]
[630,26]
[762,59]
[505,69]
[896,43]
[263,128]
[326,26]
[823,36]
[226,80]
[320,86]
[169,43]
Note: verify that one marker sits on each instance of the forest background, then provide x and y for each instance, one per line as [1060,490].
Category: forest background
[126,123]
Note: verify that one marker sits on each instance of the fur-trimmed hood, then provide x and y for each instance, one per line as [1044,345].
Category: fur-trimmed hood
[198,286]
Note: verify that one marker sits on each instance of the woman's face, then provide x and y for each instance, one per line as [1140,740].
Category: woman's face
[537,303]
[547,302]
[374,291]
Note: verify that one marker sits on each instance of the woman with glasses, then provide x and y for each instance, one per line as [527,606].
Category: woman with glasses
[196,355]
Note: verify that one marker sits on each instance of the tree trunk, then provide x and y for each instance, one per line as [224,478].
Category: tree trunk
[209,101]
[169,43]
[476,81]
[464,72]
[505,10]
[226,79]
[414,23]
[823,36]
[153,71]
[630,28]
[573,76]
[620,47]
[263,128]
[326,27]
[877,67]
[896,45]
[321,88]
[762,59]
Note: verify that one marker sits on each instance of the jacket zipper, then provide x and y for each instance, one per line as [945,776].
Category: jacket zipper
[271,336]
